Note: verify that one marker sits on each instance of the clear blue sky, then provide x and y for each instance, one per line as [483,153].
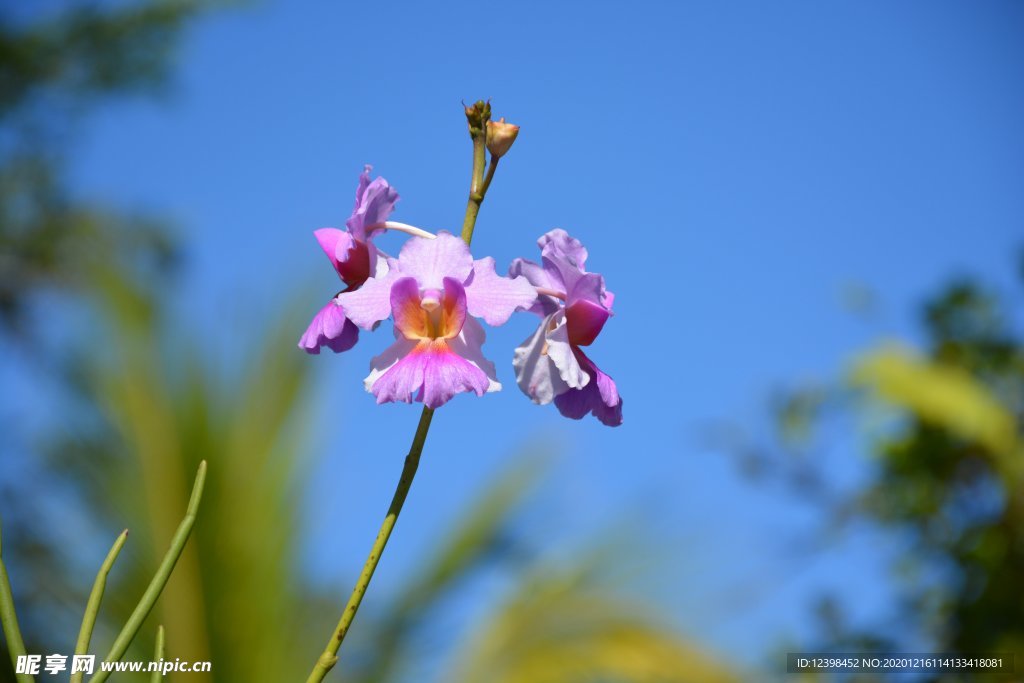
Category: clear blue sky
[731,167]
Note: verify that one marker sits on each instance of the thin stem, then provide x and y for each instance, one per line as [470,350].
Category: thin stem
[158,655]
[490,175]
[477,189]
[329,657]
[92,607]
[156,585]
[9,621]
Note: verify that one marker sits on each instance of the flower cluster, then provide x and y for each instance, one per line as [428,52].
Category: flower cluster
[434,291]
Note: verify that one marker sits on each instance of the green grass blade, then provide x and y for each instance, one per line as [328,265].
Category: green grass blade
[156,586]
[158,655]
[92,607]
[9,620]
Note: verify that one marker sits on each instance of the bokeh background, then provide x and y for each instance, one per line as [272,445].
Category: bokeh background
[810,213]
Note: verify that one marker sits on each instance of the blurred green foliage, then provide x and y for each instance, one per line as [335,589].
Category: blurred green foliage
[950,473]
[52,70]
[59,251]
[944,429]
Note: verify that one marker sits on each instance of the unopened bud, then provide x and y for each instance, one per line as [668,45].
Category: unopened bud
[477,115]
[500,136]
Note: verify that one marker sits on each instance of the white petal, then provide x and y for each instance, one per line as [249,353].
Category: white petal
[560,352]
[545,364]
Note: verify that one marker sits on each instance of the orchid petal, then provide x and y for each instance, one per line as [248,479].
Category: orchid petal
[588,287]
[469,345]
[430,371]
[333,241]
[536,374]
[386,360]
[410,317]
[560,351]
[559,244]
[563,257]
[375,200]
[533,272]
[584,320]
[599,398]
[329,328]
[430,261]
[495,298]
[453,311]
[536,275]
[371,303]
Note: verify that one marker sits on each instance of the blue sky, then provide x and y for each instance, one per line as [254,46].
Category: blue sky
[731,166]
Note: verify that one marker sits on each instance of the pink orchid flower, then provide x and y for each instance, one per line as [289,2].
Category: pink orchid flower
[574,306]
[354,258]
[433,290]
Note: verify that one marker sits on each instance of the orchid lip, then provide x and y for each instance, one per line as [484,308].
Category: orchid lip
[401,227]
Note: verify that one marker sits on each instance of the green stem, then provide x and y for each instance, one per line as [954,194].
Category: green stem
[92,607]
[329,657]
[9,621]
[158,655]
[156,586]
[490,176]
[477,189]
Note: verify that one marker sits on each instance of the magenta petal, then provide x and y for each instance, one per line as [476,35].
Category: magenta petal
[332,241]
[356,261]
[431,372]
[495,298]
[600,397]
[329,328]
[410,318]
[585,320]
[453,309]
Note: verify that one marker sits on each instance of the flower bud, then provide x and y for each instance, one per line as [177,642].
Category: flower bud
[500,136]
[477,115]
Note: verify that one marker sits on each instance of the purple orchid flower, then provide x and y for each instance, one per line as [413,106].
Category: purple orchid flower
[434,289]
[574,305]
[354,258]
